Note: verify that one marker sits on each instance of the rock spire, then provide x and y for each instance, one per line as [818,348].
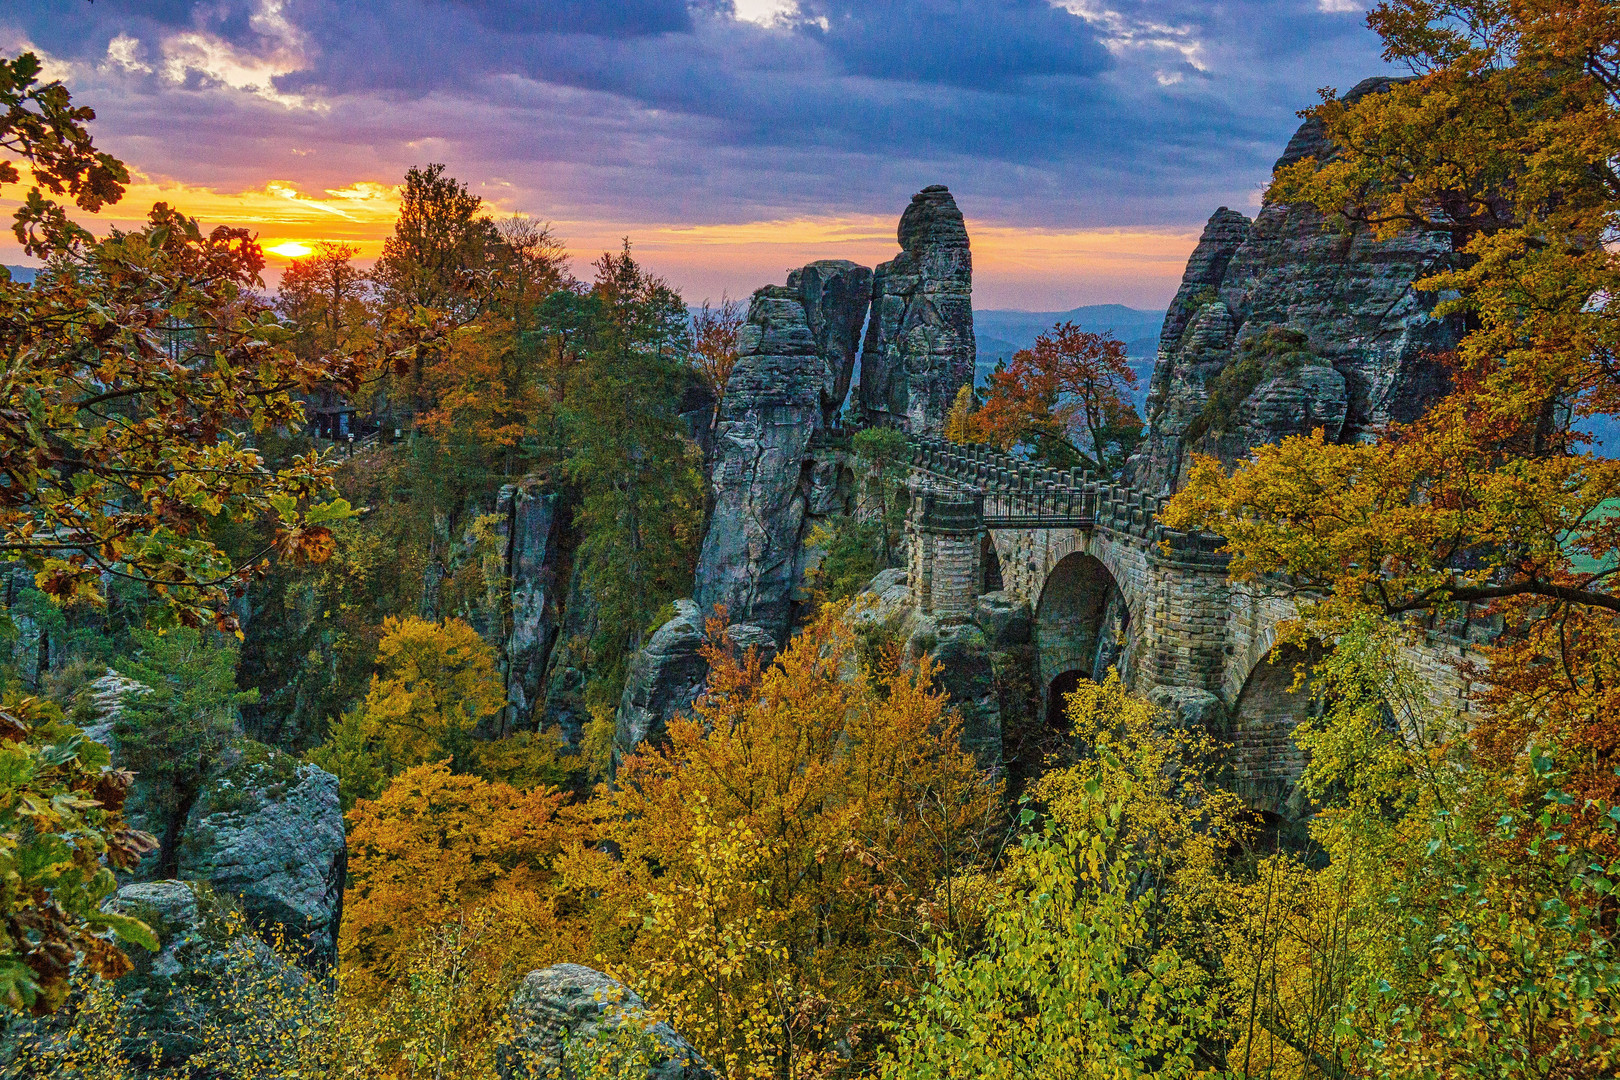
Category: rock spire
[919,348]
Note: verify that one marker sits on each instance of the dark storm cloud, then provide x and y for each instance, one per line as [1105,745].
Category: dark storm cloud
[981,44]
[1146,111]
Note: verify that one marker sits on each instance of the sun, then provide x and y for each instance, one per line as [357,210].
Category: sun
[291,249]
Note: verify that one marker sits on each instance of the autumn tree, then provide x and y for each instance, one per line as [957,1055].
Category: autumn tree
[142,367]
[62,836]
[793,842]
[324,296]
[1491,504]
[436,697]
[435,847]
[714,346]
[441,248]
[1065,401]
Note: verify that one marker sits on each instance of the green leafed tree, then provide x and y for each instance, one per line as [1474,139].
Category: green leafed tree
[638,473]
[174,728]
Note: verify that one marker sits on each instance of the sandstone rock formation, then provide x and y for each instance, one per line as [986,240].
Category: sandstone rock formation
[567,1017]
[1365,340]
[170,995]
[664,678]
[919,349]
[529,532]
[835,294]
[795,355]
[267,831]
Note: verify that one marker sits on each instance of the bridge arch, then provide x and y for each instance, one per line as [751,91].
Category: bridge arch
[1083,626]
[1265,761]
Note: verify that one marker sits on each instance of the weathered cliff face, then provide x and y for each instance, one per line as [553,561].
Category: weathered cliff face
[1283,325]
[919,347]
[773,477]
[770,479]
[264,828]
[835,294]
[530,534]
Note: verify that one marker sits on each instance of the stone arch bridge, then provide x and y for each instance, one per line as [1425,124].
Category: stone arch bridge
[1109,586]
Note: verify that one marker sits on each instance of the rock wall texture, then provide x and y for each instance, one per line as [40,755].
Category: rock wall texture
[265,830]
[531,537]
[1359,343]
[771,477]
[919,349]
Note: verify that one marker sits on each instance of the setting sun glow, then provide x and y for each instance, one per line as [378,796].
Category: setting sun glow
[290,249]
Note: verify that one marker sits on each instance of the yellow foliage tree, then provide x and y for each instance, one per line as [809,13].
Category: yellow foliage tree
[849,809]
[436,697]
[436,849]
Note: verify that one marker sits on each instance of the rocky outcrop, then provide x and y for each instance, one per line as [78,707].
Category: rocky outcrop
[835,294]
[771,478]
[1360,343]
[919,349]
[665,677]
[962,650]
[173,1004]
[267,831]
[567,1017]
[530,537]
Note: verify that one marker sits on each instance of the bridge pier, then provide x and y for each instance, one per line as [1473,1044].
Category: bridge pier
[1184,631]
[944,557]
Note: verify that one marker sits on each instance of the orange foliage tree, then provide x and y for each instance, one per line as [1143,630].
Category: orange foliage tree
[440,848]
[436,697]
[714,346]
[790,848]
[1064,400]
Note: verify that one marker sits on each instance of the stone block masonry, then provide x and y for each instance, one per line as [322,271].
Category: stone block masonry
[1192,638]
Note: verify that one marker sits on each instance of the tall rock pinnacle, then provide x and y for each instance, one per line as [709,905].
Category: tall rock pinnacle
[919,347]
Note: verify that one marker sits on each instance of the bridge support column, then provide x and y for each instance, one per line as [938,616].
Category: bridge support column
[1184,632]
[944,562]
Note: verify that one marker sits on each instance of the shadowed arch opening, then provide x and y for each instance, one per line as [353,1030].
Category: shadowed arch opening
[1266,762]
[991,563]
[1082,627]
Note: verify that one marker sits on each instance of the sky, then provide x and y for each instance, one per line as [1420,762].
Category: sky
[1086,141]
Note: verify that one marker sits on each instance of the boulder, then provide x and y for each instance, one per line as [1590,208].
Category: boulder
[267,831]
[1189,707]
[205,952]
[1005,619]
[664,678]
[567,1017]
[1346,294]
[919,348]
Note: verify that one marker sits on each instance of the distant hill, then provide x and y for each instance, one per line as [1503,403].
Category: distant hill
[1000,333]
[24,274]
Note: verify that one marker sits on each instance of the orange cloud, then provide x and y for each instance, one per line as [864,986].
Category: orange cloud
[1014,266]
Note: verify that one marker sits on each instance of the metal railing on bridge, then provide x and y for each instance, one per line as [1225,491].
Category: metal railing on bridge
[1020,495]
